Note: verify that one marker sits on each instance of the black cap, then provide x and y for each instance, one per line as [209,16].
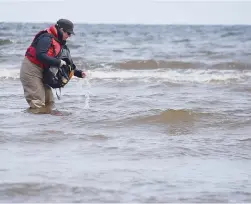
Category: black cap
[67,25]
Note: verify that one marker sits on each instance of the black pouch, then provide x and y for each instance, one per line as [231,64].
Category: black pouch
[58,77]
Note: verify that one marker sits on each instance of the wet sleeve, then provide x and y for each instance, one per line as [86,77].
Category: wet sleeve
[78,73]
[42,48]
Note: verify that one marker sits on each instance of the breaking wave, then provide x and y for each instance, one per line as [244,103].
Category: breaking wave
[179,64]
[153,64]
[160,75]
[5,42]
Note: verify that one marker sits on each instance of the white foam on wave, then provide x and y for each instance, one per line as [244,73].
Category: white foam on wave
[170,75]
[175,75]
[9,73]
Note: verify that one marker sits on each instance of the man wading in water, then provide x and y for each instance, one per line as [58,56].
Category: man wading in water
[47,50]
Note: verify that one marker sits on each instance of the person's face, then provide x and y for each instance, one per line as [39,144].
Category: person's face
[65,34]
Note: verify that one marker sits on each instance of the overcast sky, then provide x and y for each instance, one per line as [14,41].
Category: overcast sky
[127,11]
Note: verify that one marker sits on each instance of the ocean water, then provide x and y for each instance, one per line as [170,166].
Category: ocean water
[164,115]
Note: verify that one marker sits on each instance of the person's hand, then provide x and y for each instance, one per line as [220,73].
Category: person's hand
[62,63]
[83,75]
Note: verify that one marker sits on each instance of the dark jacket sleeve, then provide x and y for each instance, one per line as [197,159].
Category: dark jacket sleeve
[42,48]
[78,73]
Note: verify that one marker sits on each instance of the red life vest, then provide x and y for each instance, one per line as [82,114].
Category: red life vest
[53,50]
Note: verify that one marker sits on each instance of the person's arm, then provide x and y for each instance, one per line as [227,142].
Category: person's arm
[78,73]
[42,48]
